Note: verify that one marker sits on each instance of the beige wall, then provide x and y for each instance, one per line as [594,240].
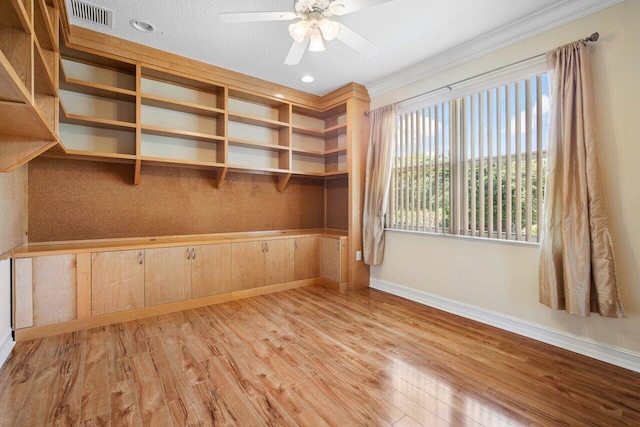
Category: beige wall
[503,277]
[13,209]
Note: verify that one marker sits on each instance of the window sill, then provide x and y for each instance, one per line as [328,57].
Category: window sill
[470,238]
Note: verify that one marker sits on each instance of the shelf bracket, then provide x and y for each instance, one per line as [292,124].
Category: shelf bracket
[221,174]
[283,180]
[136,175]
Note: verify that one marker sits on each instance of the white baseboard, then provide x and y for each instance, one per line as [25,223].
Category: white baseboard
[596,350]
[6,345]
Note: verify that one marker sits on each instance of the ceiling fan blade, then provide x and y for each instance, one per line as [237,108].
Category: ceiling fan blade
[297,50]
[356,42]
[234,17]
[342,7]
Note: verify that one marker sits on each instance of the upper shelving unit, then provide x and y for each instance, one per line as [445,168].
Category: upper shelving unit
[28,80]
[141,113]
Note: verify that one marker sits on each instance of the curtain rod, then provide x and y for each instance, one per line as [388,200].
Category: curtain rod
[592,38]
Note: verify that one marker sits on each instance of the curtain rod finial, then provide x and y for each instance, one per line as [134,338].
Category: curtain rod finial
[593,37]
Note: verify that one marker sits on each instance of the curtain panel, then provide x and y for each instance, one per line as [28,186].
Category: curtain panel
[378,178]
[577,267]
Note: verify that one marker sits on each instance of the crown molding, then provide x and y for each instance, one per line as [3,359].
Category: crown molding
[515,32]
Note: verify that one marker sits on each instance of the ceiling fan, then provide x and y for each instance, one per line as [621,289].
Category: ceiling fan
[314,25]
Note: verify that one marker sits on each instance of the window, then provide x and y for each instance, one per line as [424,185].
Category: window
[473,165]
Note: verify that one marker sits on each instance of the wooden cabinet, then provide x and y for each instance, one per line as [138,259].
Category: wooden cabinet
[117,281]
[333,260]
[248,265]
[167,275]
[279,261]
[45,290]
[82,285]
[261,263]
[211,270]
[306,258]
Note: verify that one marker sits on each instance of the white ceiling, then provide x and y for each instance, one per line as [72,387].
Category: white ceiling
[408,32]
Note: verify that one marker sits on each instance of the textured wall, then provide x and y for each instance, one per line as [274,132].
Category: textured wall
[73,199]
[337,213]
[13,209]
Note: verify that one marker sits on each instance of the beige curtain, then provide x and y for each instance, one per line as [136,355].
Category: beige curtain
[577,269]
[377,181]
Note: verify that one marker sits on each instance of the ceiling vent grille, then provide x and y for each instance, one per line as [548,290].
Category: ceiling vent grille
[92,13]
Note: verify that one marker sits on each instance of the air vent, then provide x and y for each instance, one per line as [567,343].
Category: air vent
[92,13]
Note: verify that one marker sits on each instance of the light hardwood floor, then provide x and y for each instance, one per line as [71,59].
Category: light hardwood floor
[311,357]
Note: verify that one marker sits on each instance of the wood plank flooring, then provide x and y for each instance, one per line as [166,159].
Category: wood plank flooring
[310,357]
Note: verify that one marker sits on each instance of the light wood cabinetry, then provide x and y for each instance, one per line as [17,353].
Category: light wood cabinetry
[68,286]
[117,281]
[28,80]
[333,260]
[167,275]
[44,290]
[306,257]
[211,270]
[279,261]
[144,114]
[262,263]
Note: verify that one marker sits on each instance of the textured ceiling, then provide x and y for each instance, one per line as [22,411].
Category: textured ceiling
[408,32]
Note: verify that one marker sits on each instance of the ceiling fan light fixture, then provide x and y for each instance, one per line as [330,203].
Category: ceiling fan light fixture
[316,44]
[329,29]
[299,30]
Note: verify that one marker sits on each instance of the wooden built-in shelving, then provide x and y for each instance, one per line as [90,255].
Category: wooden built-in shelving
[189,121]
[28,80]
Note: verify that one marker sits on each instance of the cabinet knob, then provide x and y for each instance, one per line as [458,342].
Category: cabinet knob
[266,247]
[338,245]
[188,253]
[295,244]
[193,253]
[140,258]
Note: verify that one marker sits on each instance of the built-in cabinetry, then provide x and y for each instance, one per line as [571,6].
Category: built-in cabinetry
[75,285]
[333,262]
[28,80]
[139,113]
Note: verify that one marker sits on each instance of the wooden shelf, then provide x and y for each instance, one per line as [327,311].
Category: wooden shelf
[42,26]
[95,155]
[76,119]
[12,89]
[183,134]
[184,107]
[257,121]
[320,133]
[245,143]
[94,89]
[318,153]
[240,168]
[43,79]
[187,163]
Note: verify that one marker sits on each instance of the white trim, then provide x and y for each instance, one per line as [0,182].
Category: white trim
[6,346]
[596,350]
[515,32]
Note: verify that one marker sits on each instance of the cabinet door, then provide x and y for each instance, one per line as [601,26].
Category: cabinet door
[279,261]
[117,281]
[330,264]
[54,289]
[211,270]
[167,275]
[306,258]
[248,265]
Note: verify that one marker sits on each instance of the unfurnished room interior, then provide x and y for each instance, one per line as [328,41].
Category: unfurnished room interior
[319,213]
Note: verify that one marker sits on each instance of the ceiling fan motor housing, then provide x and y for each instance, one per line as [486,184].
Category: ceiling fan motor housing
[305,7]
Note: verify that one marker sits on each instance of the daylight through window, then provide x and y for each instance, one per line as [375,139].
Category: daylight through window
[473,165]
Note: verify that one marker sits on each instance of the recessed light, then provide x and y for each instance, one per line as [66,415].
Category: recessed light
[143,26]
[307,79]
